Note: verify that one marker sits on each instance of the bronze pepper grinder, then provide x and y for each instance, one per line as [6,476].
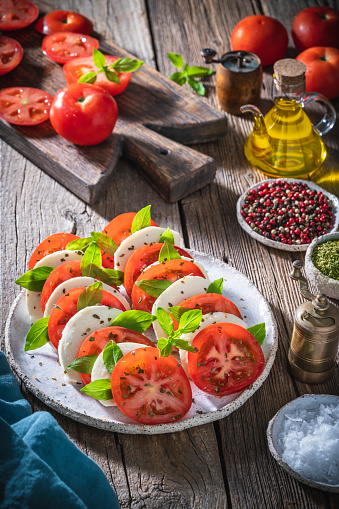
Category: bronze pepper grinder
[315,336]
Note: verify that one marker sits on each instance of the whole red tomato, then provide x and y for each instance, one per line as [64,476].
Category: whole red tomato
[322,73]
[64,21]
[316,26]
[83,114]
[262,35]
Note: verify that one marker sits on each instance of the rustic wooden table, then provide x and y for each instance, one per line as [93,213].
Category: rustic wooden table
[227,463]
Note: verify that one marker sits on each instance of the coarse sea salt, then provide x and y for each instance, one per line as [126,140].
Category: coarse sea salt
[310,443]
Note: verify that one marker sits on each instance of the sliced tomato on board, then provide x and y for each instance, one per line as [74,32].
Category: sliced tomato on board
[151,389]
[96,342]
[63,273]
[229,359]
[10,54]
[64,21]
[66,307]
[15,14]
[24,105]
[172,270]
[142,258]
[65,46]
[53,243]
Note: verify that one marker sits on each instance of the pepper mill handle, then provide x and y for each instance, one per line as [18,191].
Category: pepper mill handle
[303,284]
[208,54]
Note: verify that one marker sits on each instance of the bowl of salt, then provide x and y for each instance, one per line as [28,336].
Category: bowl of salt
[304,439]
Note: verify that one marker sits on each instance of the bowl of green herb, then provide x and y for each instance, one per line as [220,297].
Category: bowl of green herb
[322,264]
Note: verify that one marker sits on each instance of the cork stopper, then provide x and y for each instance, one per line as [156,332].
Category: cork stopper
[289,71]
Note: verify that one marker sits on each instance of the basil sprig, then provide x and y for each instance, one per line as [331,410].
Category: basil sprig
[111,355]
[99,389]
[91,296]
[83,364]
[153,287]
[34,279]
[216,286]
[167,235]
[108,276]
[105,243]
[258,331]
[111,71]
[92,258]
[37,335]
[168,252]
[142,219]
[79,244]
[188,74]
[189,322]
[138,321]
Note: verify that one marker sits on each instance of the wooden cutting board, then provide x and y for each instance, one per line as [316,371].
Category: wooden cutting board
[156,116]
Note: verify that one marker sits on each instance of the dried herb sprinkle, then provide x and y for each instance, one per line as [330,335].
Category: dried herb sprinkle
[326,258]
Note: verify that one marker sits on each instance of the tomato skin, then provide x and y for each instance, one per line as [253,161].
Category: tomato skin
[67,307]
[16,14]
[142,258]
[63,273]
[96,342]
[172,270]
[53,243]
[24,105]
[316,26]
[10,54]
[219,374]
[64,21]
[322,73]
[262,35]
[141,383]
[65,46]
[74,69]
[84,114]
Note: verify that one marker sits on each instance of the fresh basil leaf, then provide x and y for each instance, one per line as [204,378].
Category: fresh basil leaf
[167,235]
[168,252]
[83,364]
[99,389]
[198,72]
[112,76]
[138,321]
[165,347]
[142,219]
[178,311]
[37,335]
[92,258]
[216,286]
[197,86]
[259,332]
[165,321]
[178,77]
[79,244]
[108,276]
[89,77]
[127,64]
[153,287]
[176,60]
[98,58]
[111,355]
[91,296]
[184,345]
[190,321]
[105,243]
[34,279]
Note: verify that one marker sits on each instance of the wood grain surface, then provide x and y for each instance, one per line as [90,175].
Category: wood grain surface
[226,464]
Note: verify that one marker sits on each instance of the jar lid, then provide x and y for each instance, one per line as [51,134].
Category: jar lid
[240,61]
[289,71]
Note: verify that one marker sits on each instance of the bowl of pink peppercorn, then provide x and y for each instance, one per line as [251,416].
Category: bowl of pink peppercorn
[287,214]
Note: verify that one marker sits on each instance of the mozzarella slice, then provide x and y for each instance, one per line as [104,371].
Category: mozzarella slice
[78,282]
[179,291]
[99,370]
[207,320]
[148,235]
[33,299]
[81,325]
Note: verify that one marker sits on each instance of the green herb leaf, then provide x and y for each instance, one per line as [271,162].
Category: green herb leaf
[99,389]
[165,321]
[142,219]
[165,347]
[92,258]
[178,77]
[126,64]
[34,279]
[105,243]
[83,364]
[108,276]
[112,76]
[98,58]
[37,335]
[216,286]
[184,345]
[138,321]
[197,86]
[153,287]
[168,252]
[91,296]
[167,235]
[198,72]
[111,355]
[176,60]
[89,77]
[178,311]
[190,320]
[259,332]
[79,244]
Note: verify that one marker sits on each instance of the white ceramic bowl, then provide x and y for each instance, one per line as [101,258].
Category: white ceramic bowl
[278,245]
[308,402]
[320,281]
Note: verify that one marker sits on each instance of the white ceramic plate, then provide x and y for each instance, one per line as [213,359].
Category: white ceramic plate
[42,375]
[278,245]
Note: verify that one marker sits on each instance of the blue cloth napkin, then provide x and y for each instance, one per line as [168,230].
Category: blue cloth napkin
[39,466]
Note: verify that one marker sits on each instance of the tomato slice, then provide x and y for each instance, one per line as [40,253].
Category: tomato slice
[151,389]
[74,69]
[66,307]
[10,54]
[119,229]
[142,258]
[24,105]
[172,270]
[65,46]
[15,14]
[53,243]
[64,272]
[228,360]
[96,342]
[64,21]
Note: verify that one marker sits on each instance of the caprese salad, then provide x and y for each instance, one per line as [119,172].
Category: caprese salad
[94,298]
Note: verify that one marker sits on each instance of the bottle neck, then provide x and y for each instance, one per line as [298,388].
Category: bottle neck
[291,92]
